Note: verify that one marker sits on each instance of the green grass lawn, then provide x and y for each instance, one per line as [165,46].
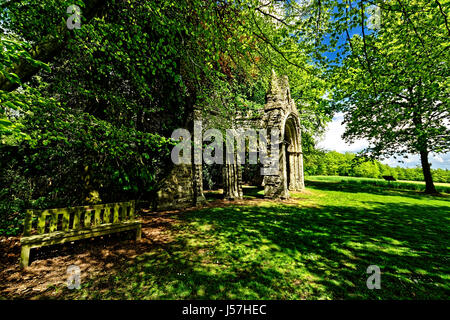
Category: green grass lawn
[399,184]
[317,247]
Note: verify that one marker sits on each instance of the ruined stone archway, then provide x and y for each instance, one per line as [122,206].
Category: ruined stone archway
[281,113]
[184,186]
[293,158]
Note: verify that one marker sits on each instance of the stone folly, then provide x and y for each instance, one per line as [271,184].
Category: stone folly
[183,187]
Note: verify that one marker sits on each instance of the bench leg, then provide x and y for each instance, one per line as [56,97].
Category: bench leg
[138,233]
[25,256]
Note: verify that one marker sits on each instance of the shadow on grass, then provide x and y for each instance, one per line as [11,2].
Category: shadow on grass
[212,195]
[253,192]
[291,252]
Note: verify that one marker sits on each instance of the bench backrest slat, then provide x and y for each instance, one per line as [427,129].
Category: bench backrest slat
[41,222]
[87,218]
[97,220]
[132,206]
[116,213]
[66,219]
[75,218]
[124,211]
[27,223]
[106,214]
[53,222]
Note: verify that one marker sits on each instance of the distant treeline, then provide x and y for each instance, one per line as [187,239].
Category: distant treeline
[333,163]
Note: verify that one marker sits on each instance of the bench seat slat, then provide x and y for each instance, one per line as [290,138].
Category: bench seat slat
[61,237]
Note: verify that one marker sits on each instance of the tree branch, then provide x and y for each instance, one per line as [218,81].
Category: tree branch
[264,38]
[445,16]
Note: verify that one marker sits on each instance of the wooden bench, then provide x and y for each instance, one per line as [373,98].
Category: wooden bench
[389,178]
[55,226]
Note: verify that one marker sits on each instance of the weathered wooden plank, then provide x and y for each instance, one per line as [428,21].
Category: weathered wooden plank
[76,218]
[28,222]
[25,256]
[138,232]
[116,218]
[61,237]
[116,213]
[53,222]
[106,214]
[97,219]
[125,207]
[93,206]
[66,219]
[87,218]
[132,207]
[41,221]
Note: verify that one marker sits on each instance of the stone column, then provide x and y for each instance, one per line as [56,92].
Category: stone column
[292,171]
[300,171]
[199,197]
[232,181]
[275,186]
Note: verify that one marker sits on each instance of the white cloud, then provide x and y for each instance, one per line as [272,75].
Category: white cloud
[441,161]
[438,158]
[332,139]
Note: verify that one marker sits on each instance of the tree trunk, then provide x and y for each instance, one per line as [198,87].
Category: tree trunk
[423,149]
[232,181]
[429,185]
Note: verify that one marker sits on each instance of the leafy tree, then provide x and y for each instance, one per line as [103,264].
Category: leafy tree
[393,82]
[12,51]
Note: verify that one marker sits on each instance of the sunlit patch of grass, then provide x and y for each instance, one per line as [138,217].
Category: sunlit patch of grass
[371,182]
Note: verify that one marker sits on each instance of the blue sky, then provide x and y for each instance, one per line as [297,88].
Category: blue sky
[333,141]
